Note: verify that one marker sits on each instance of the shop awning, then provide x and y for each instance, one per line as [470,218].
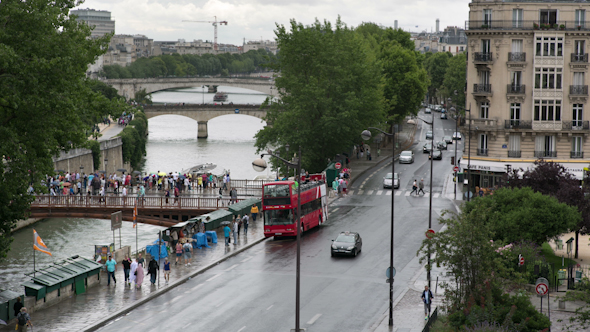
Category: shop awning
[576,169]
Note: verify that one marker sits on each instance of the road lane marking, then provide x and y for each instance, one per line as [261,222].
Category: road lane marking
[350,192]
[379,192]
[213,277]
[197,286]
[313,319]
[399,193]
[427,195]
[370,192]
[408,193]
[360,192]
[436,195]
[175,299]
[230,268]
[270,307]
[247,259]
[240,330]
[187,325]
[336,209]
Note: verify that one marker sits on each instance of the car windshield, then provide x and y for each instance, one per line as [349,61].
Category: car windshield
[345,238]
[429,132]
[388,176]
[427,146]
[395,176]
[447,138]
[406,153]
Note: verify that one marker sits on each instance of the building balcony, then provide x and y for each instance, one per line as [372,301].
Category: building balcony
[579,90]
[482,25]
[518,124]
[547,125]
[482,57]
[583,58]
[513,154]
[516,57]
[482,89]
[576,125]
[576,154]
[482,152]
[513,89]
[545,154]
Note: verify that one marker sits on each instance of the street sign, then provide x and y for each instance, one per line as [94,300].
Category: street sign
[116,220]
[456,169]
[338,165]
[520,260]
[429,233]
[542,286]
[387,273]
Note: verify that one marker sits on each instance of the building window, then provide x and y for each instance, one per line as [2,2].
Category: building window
[547,110]
[461,49]
[578,115]
[548,78]
[577,151]
[579,47]
[545,146]
[482,145]
[549,46]
[578,79]
[548,16]
[484,109]
[487,17]
[514,146]
[580,17]
[515,112]
[517,18]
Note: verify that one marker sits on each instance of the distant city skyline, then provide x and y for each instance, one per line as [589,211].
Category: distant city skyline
[255,19]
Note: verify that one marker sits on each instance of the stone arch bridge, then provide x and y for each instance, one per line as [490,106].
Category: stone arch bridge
[203,113]
[127,87]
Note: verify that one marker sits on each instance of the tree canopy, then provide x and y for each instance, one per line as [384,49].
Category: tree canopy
[455,78]
[46,104]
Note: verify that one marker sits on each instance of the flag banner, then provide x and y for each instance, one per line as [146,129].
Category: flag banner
[135,214]
[39,245]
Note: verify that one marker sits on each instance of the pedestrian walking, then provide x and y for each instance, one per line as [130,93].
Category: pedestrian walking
[427,299]
[344,187]
[176,194]
[234,195]
[133,272]
[111,265]
[166,270]
[239,221]
[23,320]
[153,268]
[126,268]
[421,186]
[140,260]
[226,231]
[167,195]
[235,232]
[254,212]
[178,252]
[245,220]
[139,276]
[188,249]
[18,305]
[414,188]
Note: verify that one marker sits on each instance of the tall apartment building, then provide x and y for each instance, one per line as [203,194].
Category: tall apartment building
[526,87]
[100,20]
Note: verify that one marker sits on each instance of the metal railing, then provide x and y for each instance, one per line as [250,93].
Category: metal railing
[516,89]
[525,25]
[517,56]
[482,57]
[518,124]
[576,154]
[482,88]
[433,317]
[130,201]
[581,90]
[482,152]
[579,57]
[575,125]
[513,154]
[545,154]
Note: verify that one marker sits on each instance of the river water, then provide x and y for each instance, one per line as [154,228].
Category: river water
[172,146]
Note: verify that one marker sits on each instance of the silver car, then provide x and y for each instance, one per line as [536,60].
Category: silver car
[388,180]
[406,157]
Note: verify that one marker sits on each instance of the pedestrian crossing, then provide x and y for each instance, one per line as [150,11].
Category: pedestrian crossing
[405,193]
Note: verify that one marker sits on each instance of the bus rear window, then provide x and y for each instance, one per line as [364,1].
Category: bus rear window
[279,190]
[278,217]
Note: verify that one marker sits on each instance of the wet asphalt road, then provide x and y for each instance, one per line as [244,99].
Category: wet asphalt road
[255,290]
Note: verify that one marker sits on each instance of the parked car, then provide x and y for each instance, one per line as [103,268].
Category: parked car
[448,139]
[427,147]
[457,135]
[429,134]
[437,108]
[347,243]
[427,110]
[441,145]
[443,116]
[406,157]
[388,180]
[436,155]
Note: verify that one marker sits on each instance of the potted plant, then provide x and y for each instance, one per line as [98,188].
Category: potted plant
[484,26]
[555,26]
[562,27]
[535,26]
[579,27]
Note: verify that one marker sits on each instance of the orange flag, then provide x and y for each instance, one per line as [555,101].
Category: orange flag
[135,215]
[39,245]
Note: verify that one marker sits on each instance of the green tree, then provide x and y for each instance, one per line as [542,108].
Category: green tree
[46,104]
[436,65]
[521,214]
[455,78]
[329,89]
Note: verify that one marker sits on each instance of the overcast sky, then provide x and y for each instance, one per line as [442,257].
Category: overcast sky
[256,19]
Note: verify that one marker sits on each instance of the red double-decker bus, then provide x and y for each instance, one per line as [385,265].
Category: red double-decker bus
[279,207]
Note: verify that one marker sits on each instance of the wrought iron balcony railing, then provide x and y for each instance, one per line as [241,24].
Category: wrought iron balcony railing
[579,90]
[517,56]
[518,124]
[579,57]
[516,89]
[576,154]
[482,88]
[545,154]
[513,154]
[576,125]
[525,25]
[482,57]
[482,152]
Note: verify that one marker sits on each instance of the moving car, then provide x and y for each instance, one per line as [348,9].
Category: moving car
[457,135]
[436,155]
[406,157]
[427,147]
[427,110]
[441,145]
[429,134]
[347,243]
[387,181]
[448,139]
[443,116]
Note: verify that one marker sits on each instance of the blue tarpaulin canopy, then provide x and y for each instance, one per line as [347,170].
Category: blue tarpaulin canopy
[153,251]
[201,241]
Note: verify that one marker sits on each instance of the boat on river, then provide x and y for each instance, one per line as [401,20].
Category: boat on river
[220,96]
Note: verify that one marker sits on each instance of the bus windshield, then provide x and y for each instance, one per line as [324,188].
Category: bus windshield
[279,190]
[278,217]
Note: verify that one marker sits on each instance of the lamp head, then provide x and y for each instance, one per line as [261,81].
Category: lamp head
[287,147]
[259,165]
[452,109]
[366,135]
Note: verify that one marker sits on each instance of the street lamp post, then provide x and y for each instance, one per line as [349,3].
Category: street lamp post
[203,87]
[260,165]
[468,155]
[430,205]
[366,135]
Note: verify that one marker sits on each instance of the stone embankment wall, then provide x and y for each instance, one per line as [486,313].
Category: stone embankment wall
[80,159]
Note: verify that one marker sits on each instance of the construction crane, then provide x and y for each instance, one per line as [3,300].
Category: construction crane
[214,28]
